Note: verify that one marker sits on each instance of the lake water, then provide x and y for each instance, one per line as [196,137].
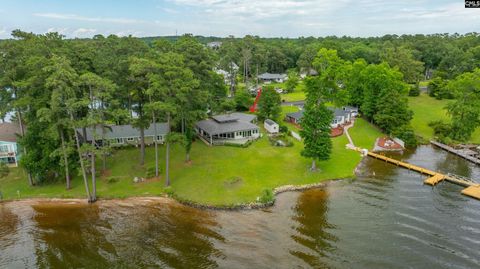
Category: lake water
[386,218]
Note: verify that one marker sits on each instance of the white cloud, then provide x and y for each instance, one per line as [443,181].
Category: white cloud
[88,19]
[84,32]
[62,31]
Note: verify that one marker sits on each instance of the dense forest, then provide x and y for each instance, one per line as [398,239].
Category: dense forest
[54,85]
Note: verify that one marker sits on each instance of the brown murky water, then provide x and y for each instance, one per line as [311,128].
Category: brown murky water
[382,220]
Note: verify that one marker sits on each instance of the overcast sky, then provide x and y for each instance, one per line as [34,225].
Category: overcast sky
[267,18]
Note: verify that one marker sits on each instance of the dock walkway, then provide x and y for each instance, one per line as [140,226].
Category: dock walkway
[457,152]
[472,188]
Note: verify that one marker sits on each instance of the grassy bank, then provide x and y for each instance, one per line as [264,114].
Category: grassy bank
[216,175]
[427,109]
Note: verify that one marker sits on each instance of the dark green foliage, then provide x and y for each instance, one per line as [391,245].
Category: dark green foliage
[392,111]
[269,104]
[437,88]
[465,110]
[283,129]
[316,123]
[243,100]
[440,128]
[414,90]
[406,134]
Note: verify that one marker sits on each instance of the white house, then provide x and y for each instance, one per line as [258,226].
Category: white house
[268,78]
[341,116]
[238,128]
[9,150]
[271,126]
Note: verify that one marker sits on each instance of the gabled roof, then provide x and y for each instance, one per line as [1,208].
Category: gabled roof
[9,132]
[118,131]
[272,76]
[337,112]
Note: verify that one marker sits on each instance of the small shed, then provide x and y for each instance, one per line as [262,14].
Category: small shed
[271,126]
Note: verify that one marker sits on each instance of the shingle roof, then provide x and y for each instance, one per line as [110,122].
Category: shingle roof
[272,76]
[227,123]
[296,115]
[337,112]
[117,131]
[9,132]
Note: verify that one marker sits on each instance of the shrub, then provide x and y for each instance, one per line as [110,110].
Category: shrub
[267,196]
[283,129]
[4,170]
[111,180]
[414,90]
[440,128]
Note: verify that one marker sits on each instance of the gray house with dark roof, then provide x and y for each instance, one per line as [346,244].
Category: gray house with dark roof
[125,134]
[236,128]
[267,77]
[340,116]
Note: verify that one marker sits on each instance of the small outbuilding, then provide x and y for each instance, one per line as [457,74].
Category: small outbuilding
[271,126]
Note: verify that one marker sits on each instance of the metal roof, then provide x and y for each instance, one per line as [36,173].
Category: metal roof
[118,131]
[227,123]
[270,122]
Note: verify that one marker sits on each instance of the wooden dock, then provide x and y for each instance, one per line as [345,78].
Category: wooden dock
[457,152]
[472,188]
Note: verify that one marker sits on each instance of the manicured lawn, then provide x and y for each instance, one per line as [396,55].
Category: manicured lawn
[297,95]
[363,133]
[427,109]
[217,175]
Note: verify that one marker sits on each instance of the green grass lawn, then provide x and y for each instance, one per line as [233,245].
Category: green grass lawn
[297,95]
[427,109]
[219,175]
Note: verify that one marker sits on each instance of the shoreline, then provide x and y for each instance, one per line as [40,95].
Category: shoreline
[172,199]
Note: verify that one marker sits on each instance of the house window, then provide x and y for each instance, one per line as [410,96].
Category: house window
[130,139]
[4,148]
[159,138]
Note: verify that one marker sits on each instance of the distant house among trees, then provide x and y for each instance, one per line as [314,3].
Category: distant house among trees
[308,72]
[341,116]
[238,128]
[124,134]
[9,149]
[269,78]
[271,126]
[214,45]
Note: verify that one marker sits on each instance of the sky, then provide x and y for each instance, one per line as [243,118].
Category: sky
[266,18]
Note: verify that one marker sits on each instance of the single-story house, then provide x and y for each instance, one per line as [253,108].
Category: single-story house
[9,149]
[271,126]
[294,117]
[124,134]
[268,78]
[340,116]
[236,128]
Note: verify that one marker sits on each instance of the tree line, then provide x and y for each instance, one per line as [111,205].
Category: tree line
[56,86]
